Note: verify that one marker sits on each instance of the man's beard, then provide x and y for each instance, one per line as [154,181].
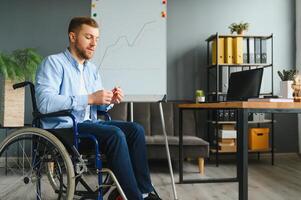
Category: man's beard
[81,53]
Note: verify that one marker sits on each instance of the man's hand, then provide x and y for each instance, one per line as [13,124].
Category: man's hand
[117,95]
[100,97]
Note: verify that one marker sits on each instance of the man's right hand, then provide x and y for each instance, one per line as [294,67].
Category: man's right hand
[100,97]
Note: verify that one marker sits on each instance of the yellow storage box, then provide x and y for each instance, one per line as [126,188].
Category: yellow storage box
[259,138]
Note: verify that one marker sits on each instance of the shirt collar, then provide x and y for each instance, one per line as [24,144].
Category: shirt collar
[72,59]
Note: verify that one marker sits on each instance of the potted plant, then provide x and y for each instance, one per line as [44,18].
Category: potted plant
[199,96]
[287,78]
[239,28]
[20,65]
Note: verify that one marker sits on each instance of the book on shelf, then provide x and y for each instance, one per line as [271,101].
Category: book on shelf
[238,50]
[263,51]
[251,50]
[224,78]
[257,50]
[220,46]
[270,100]
[245,50]
[228,50]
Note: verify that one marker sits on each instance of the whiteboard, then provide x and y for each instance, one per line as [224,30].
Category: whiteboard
[131,52]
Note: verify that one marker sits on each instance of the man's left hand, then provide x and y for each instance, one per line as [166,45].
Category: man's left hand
[117,95]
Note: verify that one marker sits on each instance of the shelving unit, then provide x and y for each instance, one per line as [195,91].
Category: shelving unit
[266,121]
[250,151]
[218,73]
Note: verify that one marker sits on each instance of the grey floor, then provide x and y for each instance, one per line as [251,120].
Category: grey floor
[266,182]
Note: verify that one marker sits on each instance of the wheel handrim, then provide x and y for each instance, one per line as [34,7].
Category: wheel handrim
[24,176]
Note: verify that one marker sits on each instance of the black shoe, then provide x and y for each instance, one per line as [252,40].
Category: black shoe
[153,196]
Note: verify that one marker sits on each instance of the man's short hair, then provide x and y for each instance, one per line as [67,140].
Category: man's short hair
[76,23]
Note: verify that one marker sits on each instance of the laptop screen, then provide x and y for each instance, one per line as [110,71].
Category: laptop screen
[244,85]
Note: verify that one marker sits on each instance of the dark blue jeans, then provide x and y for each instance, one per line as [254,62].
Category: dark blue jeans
[124,146]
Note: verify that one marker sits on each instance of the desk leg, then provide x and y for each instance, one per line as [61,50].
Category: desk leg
[272,134]
[180,146]
[5,155]
[242,153]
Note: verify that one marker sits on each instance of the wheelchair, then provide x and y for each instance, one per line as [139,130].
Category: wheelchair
[51,164]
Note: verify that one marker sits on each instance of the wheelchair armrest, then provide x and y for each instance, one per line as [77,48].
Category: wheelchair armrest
[68,113]
[105,114]
[62,113]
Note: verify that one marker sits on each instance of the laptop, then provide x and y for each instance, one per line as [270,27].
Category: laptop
[244,85]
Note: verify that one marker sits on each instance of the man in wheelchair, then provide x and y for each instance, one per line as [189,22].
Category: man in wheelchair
[68,80]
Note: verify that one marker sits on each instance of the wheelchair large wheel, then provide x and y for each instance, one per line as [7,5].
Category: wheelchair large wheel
[27,156]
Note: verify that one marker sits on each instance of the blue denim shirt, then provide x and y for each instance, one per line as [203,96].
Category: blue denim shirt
[57,88]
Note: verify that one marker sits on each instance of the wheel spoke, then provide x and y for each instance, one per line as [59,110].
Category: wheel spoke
[24,170]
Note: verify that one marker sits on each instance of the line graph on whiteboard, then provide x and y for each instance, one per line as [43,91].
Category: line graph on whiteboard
[125,38]
[132,34]
[131,51]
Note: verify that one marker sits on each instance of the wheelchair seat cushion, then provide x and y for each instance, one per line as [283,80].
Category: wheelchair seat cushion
[66,136]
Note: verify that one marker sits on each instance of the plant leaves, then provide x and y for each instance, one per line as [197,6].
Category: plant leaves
[20,65]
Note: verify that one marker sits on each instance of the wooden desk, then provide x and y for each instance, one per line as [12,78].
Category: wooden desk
[242,104]
[242,108]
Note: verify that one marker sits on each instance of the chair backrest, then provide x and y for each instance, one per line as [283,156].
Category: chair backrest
[148,115]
